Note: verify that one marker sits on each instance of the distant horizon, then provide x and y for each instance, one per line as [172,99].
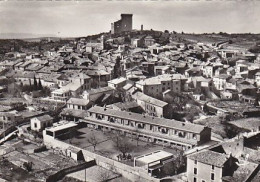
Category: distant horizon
[83,18]
[37,36]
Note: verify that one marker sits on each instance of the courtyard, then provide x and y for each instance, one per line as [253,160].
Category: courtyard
[106,144]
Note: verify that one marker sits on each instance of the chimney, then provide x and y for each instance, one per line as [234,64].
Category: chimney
[142,27]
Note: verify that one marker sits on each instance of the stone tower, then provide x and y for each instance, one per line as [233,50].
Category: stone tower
[122,25]
[126,24]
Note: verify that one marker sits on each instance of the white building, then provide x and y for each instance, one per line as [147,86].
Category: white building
[117,83]
[41,122]
[155,86]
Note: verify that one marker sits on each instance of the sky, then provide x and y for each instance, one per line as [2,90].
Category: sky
[82,18]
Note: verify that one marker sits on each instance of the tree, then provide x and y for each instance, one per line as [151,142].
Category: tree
[14,90]
[46,91]
[56,49]
[40,84]
[254,49]
[93,141]
[117,68]
[28,166]
[124,146]
[176,166]
[116,138]
[136,136]
[35,83]
[192,112]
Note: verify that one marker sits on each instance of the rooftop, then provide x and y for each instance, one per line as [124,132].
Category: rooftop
[45,117]
[117,80]
[126,105]
[154,156]
[194,128]
[247,123]
[141,96]
[158,79]
[98,90]
[210,157]
[61,126]
[73,112]
[78,101]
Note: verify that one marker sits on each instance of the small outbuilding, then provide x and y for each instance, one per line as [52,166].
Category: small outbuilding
[41,122]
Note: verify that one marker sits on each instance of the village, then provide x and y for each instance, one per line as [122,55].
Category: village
[131,105]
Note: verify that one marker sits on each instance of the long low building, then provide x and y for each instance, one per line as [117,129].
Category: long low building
[152,129]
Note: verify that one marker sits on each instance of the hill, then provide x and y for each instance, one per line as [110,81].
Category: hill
[23,35]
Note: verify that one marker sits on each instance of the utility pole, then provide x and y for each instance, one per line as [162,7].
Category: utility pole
[4,129]
[85,175]
[98,80]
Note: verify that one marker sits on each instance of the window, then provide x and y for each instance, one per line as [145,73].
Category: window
[203,181]
[194,179]
[195,162]
[151,127]
[212,176]
[212,167]
[35,125]
[195,170]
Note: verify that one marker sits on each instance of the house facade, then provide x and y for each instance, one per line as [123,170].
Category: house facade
[152,106]
[41,122]
[155,86]
[208,166]
[151,129]
[78,103]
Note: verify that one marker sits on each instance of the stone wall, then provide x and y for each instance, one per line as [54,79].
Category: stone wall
[62,173]
[129,172]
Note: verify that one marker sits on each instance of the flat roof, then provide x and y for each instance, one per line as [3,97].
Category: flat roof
[154,156]
[62,127]
[117,80]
